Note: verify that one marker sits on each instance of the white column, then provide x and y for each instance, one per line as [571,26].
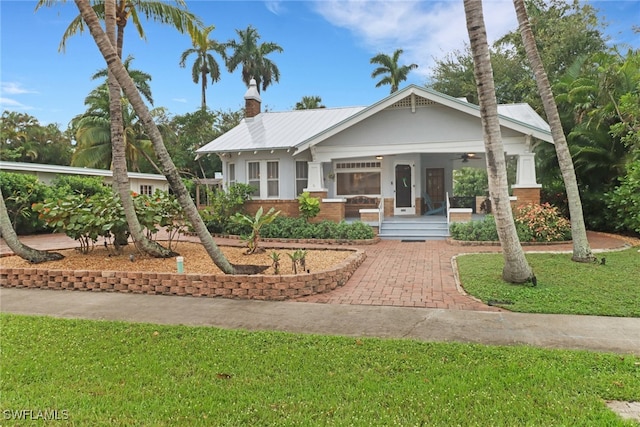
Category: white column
[526,171]
[316,180]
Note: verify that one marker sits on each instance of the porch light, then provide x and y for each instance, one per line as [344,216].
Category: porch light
[379,157]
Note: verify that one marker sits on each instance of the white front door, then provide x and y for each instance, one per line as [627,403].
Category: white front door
[405,189]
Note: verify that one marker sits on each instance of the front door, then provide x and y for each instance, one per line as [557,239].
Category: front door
[435,185]
[404,190]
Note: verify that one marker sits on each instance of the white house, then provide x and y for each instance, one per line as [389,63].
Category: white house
[396,151]
[142,183]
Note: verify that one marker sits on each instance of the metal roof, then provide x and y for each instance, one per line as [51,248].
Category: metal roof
[70,170]
[278,130]
[301,129]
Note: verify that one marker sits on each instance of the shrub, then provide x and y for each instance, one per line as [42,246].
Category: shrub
[161,210]
[223,206]
[298,228]
[624,201]
[470,182]
[84,219]
[542,223]
[534,223]
[309,206]
[64,185]
[20,192]
[482,231]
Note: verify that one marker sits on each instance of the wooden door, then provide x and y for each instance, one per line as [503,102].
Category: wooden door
[435,184]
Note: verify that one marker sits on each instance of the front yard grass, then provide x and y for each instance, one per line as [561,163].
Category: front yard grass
[116,373]
[564,286]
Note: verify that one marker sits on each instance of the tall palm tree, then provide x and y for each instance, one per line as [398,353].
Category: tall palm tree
[581,249]
[11,238]
[309,103]
[116,14]
[93,135]
[204,63]
[246,52]
[112,59]
[393,73]
[516,268]
[93,128]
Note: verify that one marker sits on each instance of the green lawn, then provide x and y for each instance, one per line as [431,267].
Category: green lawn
[564,286]
[115,373]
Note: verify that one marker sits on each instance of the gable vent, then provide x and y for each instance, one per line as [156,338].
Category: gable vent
[406,102]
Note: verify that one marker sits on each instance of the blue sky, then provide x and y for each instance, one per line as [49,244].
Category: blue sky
[327,47]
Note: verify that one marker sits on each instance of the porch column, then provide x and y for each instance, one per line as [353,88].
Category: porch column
[526,189]
[316,180]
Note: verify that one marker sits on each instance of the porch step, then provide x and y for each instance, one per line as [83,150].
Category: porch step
[414,228]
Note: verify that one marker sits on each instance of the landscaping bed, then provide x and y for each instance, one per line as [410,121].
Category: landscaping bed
[102,270]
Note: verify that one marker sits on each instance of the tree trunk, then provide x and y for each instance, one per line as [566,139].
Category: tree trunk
[118,153]
[516,268]
[204,91]
[23,251]
[115,66]
[581,249]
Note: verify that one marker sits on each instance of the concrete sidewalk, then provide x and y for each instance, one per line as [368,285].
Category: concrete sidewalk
[606,334]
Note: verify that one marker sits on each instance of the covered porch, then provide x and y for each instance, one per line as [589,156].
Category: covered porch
[411,188]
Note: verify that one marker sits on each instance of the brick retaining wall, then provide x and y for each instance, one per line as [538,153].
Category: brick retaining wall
[259,286]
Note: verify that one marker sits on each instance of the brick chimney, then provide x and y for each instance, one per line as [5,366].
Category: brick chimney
[252,100]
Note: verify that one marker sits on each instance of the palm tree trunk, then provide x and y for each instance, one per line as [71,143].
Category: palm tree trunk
[11,238]
[118,153]
[204,91]
[516,268]
[115,66]
[581,249]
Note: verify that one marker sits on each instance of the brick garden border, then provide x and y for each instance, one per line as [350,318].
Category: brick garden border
[238,286]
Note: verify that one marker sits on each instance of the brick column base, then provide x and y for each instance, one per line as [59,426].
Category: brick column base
[525,196]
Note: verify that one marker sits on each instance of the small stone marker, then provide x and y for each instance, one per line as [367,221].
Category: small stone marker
[627,410]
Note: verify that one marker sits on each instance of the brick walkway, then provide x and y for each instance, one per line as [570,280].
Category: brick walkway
[407,274]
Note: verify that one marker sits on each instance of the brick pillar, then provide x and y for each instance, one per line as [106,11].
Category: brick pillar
[525,195]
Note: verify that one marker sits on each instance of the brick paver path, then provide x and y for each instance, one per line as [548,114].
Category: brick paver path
[395,273]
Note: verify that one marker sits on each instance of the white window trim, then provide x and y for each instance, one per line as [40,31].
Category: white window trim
[355,170]
[263,191]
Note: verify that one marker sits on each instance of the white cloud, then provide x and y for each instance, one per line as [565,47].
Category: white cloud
[8,103]
[14,88]
[274,6]
[423,29]
[181,100]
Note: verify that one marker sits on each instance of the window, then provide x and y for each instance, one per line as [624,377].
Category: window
[231,169]
[264,176]
[358,178]
[302,177]
[254,177]
[146,189]
[273,179]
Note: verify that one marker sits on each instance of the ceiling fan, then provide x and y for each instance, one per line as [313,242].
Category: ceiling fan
[465,157]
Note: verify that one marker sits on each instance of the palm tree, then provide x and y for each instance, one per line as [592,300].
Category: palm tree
[393,73]
[253,58]
[117,69]
[116,14]
[309,103]
[11,238]
[516,268]
[205,63]
[581,249]
[93,132]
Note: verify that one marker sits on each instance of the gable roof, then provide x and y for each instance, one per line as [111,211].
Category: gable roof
[302,129]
